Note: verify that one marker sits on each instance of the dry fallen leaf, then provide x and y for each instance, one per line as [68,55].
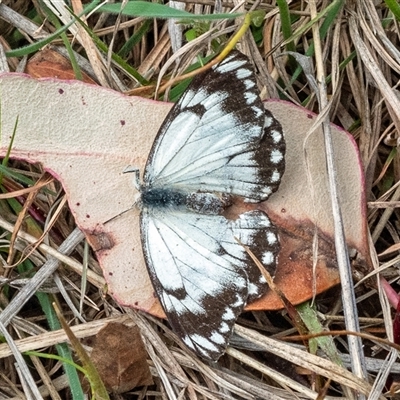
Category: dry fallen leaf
[121,358]
[48,63]
[86,136]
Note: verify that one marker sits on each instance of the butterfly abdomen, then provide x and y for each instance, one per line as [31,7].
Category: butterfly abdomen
[207,203]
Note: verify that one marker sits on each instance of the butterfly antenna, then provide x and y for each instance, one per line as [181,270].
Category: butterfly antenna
[118,215]
[136,179]
[138,185]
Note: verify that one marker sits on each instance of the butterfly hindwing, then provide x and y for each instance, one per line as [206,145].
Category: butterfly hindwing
[218,141]
[202,275]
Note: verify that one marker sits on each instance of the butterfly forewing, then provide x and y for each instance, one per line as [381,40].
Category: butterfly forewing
[216,142]
[218,130]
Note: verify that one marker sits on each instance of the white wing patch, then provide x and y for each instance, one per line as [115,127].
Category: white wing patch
[276,156]
[217,142]
[243,73]
[268,258]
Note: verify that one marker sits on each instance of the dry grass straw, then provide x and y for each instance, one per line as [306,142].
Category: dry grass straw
[363,97]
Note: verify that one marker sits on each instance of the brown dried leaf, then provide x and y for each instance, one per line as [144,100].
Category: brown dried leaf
[121,358]
[47,63]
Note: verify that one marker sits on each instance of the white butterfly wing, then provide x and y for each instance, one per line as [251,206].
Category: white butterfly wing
[202,275]
[219,137]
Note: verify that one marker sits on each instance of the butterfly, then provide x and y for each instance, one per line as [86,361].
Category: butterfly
[217,143]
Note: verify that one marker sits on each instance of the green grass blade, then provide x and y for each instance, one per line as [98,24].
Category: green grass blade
[394,7]
[134,39]
[325,343]
[286,23]
[154,10]
[4,170]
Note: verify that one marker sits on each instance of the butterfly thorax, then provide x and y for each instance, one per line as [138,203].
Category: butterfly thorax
[198,202]
[161,198]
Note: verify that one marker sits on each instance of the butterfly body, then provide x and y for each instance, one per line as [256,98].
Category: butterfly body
[217,143]
[203,203]
[162,198]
